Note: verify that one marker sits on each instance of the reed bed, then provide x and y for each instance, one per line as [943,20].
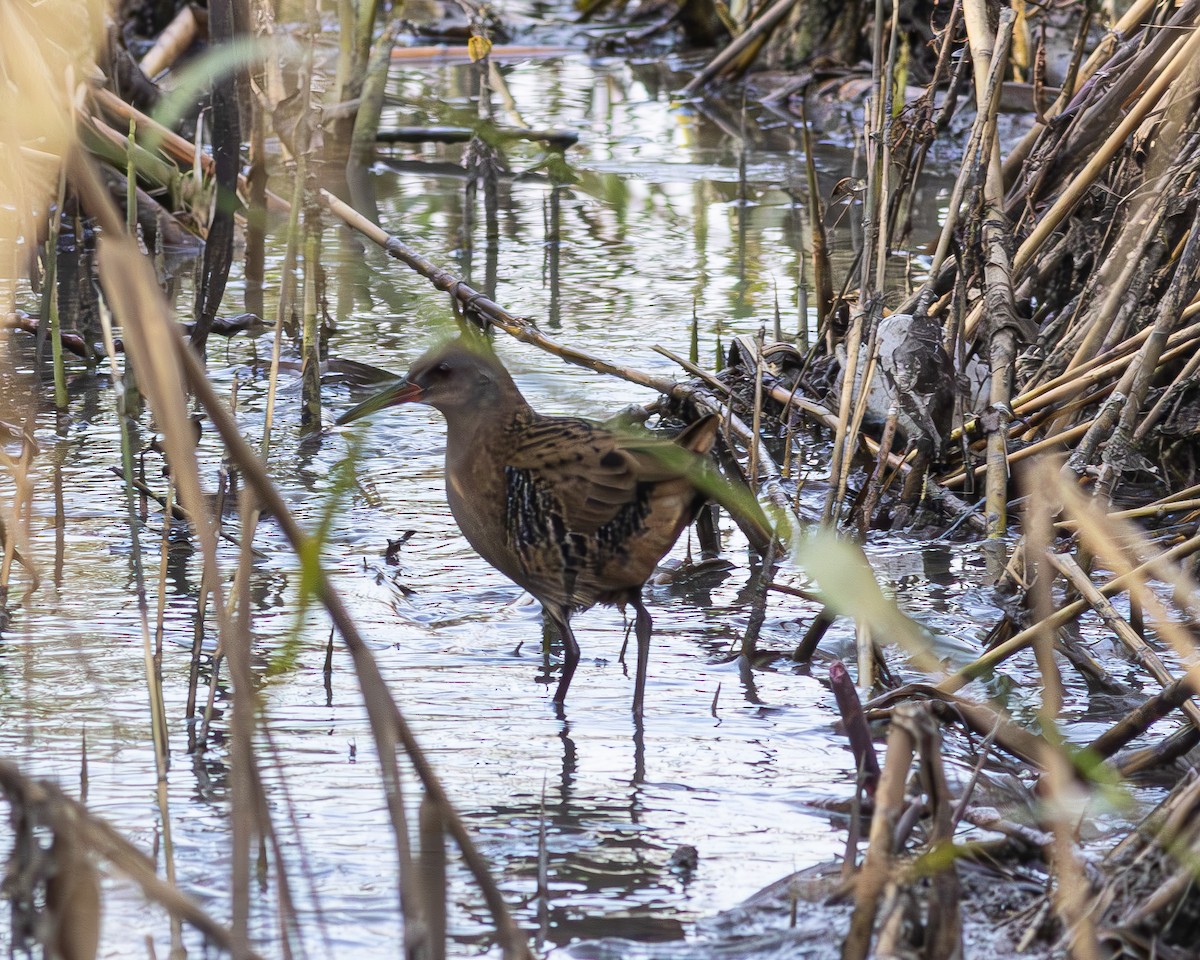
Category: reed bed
[1066,272]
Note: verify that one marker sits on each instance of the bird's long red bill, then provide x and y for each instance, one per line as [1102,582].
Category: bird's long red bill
[397,393]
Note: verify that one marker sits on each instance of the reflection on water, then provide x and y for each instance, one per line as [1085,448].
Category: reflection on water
[654,225]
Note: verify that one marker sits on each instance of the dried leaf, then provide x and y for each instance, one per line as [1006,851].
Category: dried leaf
[478,47]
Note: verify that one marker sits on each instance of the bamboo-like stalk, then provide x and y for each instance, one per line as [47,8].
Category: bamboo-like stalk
[829,514]
[169,45]
[131,183]
[989,52]
[875,485]
[1073,383]
[365,30]
[854,428]
[347,36]
[958,479]
[756,419]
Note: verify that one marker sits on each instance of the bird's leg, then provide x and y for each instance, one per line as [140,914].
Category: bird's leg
[562,620]
[642,626]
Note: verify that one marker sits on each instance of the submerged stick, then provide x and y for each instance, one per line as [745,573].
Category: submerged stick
[1062,616]
[1138,648]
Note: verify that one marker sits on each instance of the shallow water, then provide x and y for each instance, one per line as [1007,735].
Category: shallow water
[743,767]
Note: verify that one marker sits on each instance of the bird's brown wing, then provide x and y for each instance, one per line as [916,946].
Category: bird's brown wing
[590,511]
[591,473]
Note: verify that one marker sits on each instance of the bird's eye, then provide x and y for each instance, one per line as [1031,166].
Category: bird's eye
[443,367]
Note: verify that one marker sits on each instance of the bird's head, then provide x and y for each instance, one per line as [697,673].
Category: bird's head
[460,377]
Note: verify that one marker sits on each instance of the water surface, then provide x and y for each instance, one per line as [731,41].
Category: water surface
[677,210]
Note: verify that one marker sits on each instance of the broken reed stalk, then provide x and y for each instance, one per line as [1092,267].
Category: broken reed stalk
[285,308]
[170,44]
[756,418]
[878,866]
[1171,60]
[1141,718]
[989,53]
